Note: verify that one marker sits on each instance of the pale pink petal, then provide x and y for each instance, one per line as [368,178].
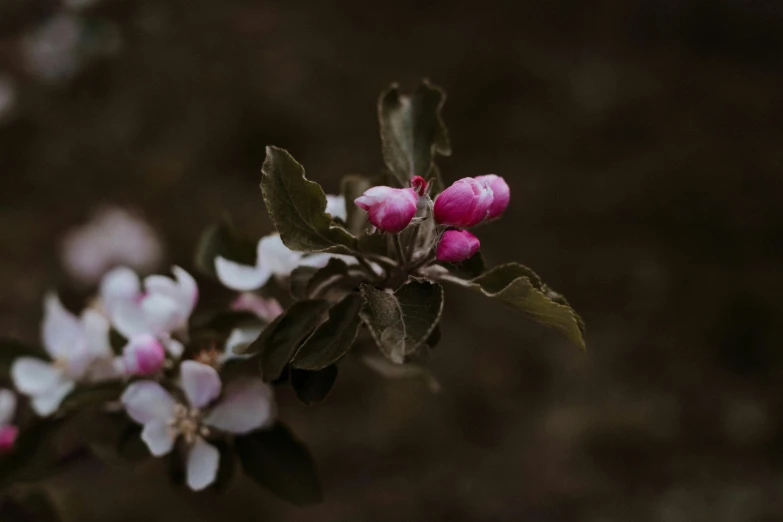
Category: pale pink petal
[148,401]
[128,317]
[247,404]
[96,333]
[275,257]
[201,383]
[202,465]
[264,308]
[119,285]
[240,277]
[7,406]
[240,338]
[48,402]
[61,329]
[335,205]
[158,436]
[161,314]
[33,376]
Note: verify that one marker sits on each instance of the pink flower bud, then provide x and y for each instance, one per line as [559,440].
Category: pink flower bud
[457,245]
[464,204]
[143,355]
[8,434]
[500,191]
[388,208]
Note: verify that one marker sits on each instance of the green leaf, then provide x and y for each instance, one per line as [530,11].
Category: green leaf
[353,187]
[412,131]
[468,269]
[34,453]
[279,341]
[312,387]
[299,280]
[280,463]
[220,240]
[519,287]
[297,207]
[403,321]
[333,338]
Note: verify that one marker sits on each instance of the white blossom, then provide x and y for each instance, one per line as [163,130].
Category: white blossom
[79,350]
[246,405]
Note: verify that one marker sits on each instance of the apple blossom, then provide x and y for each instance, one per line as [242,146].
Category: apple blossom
[8,430]
[464,204]
[143,355]
[266,309]
[80,351]
[162,308]
[501,194]
[112,237]
[246,405]
[389,209]
[457,245]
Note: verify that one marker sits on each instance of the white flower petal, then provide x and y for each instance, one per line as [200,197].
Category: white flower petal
[119,285]
[159,437]
[335,205]
[240,277]
[174,347]
[61,329]
[48,402]
[188,289]
[7,406]
[33,376]
[128,317]
[275,257]
[200,382]
[240,338]
[247,404]
[148,401]
[161,314]
[96,333]
[183,291]
[202,465]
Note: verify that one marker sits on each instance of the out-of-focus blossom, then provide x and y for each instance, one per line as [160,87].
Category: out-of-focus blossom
[464,204]
[7,97]
[160,309]
[501,194]
[113,237]
[79,349]
[335,205]
[143,355]
[273,258]
[239,339]
[456,246]
[389,209]
[51,52]
[8,430]
[265,308]
[245,405]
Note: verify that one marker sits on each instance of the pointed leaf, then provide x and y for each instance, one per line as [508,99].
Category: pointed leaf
[279,341]
[412,131]
[401,322]
[297,207]
[333,338]
[280,463]
[312,387]
[520,287]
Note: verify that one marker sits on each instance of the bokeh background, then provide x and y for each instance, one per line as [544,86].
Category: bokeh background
[643,144]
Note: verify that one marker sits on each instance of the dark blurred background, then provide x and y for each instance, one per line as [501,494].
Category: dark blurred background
[643,144]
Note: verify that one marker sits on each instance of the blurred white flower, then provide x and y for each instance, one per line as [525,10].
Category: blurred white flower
[51,52]
[79,350]
[265,308]
[335,205]
[113,237]
[161,308]
[246,405]
[273,258]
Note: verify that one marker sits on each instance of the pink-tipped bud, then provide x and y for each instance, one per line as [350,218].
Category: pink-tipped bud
[143,355]
[456,246]
[419,184]
[500,192]
[464,204]
[8,434]
[389,209]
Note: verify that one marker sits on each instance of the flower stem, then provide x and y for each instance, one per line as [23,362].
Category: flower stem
[423,260]
[400,252]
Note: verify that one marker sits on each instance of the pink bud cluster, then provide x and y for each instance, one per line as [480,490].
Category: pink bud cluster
[466,203]
[391,209]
